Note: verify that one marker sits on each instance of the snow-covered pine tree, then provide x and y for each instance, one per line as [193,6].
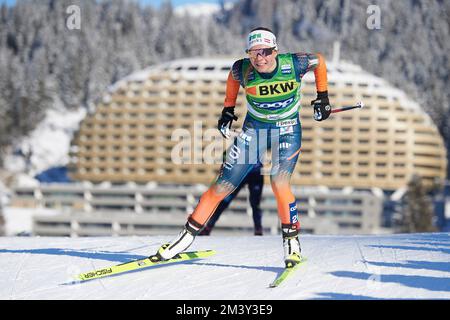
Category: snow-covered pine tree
[417,211]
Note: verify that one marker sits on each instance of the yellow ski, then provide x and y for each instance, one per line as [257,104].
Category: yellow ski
[286,273]
[141,264]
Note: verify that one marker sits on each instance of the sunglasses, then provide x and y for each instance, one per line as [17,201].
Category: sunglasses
[263,52]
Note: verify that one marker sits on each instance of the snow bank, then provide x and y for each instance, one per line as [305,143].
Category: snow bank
[48,145]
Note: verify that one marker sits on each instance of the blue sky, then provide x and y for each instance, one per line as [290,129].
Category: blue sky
[154,2]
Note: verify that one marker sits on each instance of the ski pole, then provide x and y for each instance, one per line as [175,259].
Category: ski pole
[358,105]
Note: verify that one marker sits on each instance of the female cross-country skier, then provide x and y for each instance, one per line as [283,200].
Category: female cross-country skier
[272,86]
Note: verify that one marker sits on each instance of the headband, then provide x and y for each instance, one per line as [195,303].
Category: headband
[261,37]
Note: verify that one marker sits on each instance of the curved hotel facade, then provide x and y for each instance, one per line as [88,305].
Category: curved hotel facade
[133,134]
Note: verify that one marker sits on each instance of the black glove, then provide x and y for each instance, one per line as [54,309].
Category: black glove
[225,121]
[322,108]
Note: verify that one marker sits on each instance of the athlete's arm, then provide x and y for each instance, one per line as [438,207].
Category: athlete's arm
[304,62]
[231,93]
[320,73]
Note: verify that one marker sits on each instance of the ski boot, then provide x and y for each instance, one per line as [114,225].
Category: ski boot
[179,244]
[291,245]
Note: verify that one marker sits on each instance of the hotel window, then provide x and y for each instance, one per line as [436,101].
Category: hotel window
[363,175]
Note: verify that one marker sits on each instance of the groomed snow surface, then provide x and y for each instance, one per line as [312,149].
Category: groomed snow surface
[407,266]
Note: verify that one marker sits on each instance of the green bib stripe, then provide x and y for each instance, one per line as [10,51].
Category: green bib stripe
[274,99]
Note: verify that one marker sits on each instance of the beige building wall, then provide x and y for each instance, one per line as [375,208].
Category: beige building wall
[136,130]
[84,209]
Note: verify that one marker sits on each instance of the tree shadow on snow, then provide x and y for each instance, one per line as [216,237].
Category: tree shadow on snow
[428,265]
[349,296]
[444,249]
[412,281]
[431,237]
[240,266]
[434,240]
[342,296]
[423,242]
[100,255]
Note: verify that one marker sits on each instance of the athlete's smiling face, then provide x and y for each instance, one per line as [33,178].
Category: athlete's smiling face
[263,58]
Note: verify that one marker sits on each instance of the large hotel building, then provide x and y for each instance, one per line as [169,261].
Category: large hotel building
[150,148]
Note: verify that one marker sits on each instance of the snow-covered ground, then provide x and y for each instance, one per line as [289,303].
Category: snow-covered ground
[410,266]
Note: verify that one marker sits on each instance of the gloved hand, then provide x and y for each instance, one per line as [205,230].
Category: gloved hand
[225,121]
[322,108]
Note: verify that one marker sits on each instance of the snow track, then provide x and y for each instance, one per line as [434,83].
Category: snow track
[408,266]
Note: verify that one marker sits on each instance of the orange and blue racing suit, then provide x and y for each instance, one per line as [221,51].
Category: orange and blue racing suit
[272,124]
